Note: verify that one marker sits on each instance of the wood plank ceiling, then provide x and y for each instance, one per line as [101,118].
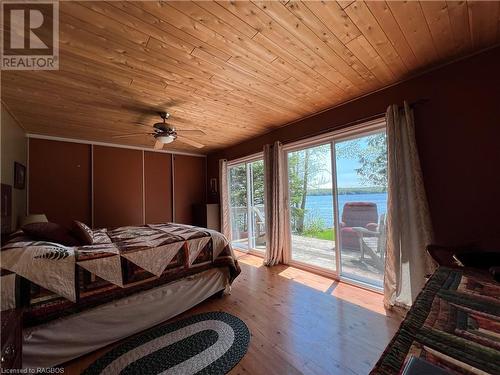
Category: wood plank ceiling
[232,69]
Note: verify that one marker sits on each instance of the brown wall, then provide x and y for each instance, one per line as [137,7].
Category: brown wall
[59,180]
[189,186]
[117,187]
[458,137]
[60,184]
[158,187]
[13,142]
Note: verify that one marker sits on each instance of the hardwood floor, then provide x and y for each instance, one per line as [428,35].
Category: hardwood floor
[301,323]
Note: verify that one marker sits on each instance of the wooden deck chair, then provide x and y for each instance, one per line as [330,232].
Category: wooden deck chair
[373,242]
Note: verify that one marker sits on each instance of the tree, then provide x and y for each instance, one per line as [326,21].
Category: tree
[373,161]
[238,186]
[371,153]
[258,182]
[307,169]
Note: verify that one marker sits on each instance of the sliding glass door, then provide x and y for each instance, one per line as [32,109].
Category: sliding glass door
[361,165]
[238,205]
[246,197]
[337,205]
[311,206]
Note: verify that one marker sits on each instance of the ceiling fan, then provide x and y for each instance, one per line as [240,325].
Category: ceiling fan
[163,133]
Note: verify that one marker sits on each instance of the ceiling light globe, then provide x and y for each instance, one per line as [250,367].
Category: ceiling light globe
[166,138]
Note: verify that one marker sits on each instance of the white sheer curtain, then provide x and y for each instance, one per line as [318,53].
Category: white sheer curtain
[225,218]
[408,221]
[276,206]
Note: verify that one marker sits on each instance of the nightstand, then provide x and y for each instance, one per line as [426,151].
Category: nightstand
[12,341]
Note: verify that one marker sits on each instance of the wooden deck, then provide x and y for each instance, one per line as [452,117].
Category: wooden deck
[321,253]
[301,323]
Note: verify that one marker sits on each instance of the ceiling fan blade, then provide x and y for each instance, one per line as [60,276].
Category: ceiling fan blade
[158,145]
[128,135]
[191,131]
[142,124]
[190,142]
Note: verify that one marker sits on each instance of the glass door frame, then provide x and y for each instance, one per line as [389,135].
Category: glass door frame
[246,161]
[299,146]
[362,129]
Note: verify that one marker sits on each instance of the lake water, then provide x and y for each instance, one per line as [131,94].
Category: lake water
[321,206]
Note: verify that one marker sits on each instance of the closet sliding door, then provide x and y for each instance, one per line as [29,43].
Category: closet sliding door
[158,187]
[118,184]
[59,181]
[189,186]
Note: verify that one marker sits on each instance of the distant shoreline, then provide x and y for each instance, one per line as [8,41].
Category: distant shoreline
[349,191]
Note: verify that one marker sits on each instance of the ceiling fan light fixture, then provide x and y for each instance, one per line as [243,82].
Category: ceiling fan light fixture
[166,138]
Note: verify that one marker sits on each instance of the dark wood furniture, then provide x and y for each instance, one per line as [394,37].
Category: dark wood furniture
[11,355]
[206,216]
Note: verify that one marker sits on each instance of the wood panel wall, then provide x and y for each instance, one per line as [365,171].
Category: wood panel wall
[189,186]
[118,183]
[158,187]
[60,180]
[62,175]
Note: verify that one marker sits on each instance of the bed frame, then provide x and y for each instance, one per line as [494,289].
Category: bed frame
[64,339]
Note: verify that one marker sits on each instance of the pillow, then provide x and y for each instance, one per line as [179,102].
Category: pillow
[18,233]
[50,232]
[101,236]
[83,233]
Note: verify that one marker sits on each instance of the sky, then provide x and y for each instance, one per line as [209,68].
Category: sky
[346,175]
[346,171]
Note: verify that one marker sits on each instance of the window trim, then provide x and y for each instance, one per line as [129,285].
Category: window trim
[337,135]
[245,159]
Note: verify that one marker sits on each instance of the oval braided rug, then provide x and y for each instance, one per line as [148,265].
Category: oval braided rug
[209,343]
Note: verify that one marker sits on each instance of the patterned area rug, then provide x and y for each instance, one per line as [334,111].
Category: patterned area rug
[210,343]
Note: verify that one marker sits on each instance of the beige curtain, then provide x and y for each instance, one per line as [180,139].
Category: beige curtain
[225,218]
[276,206]
[408,221]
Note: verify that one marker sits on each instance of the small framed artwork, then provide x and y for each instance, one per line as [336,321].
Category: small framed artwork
[19,175]
[6,208]
[213,185]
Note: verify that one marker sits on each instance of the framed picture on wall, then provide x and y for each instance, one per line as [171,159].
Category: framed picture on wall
[6,208]
[19,175]
[213,185]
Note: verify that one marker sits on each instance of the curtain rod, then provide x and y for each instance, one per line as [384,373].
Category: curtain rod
[413,104]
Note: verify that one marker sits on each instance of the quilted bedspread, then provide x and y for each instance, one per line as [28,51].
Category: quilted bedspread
[131,258]
[454,324]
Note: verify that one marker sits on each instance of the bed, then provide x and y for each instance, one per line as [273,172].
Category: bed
[77,299]
[454,324]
